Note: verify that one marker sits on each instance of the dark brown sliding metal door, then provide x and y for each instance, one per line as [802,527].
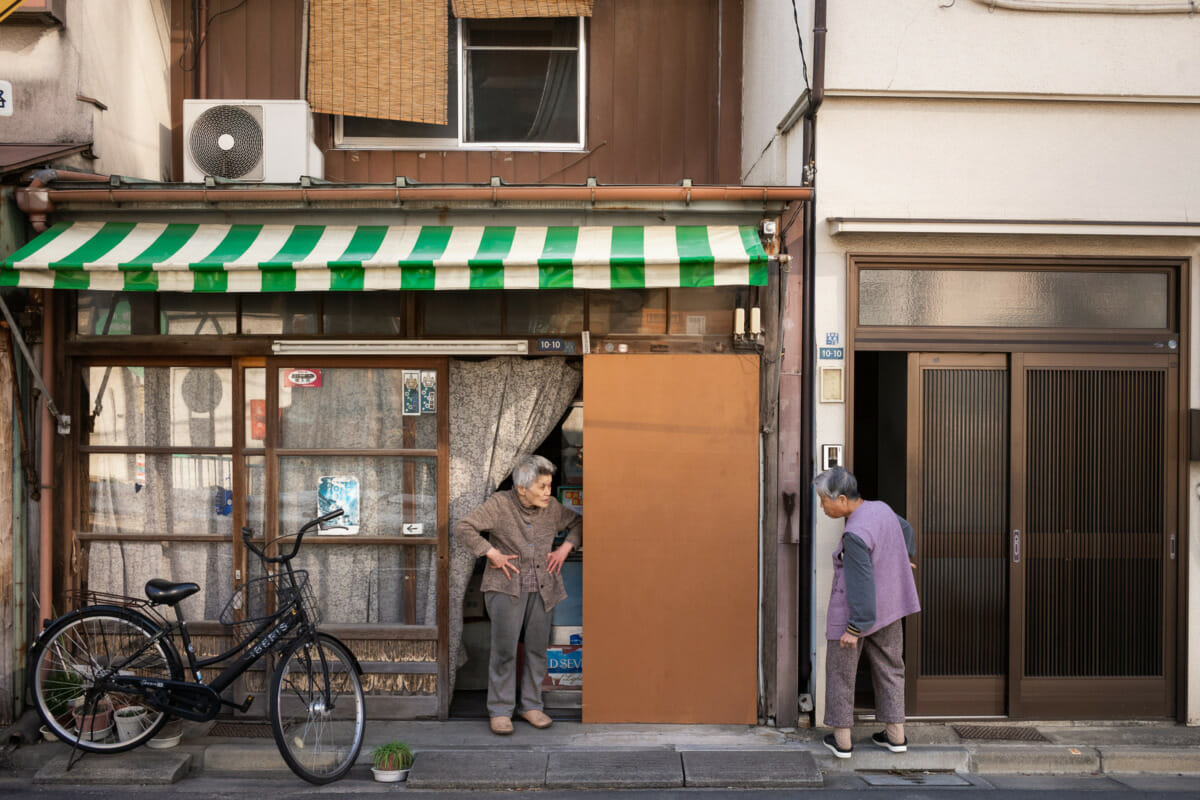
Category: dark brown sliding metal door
[1043,491]
[1092,547]
[958,473]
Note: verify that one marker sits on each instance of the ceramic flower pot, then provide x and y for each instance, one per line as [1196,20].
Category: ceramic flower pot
[131,721]
[389,775]
[94,726]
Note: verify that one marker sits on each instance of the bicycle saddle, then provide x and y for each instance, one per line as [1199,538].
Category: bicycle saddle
[162,591]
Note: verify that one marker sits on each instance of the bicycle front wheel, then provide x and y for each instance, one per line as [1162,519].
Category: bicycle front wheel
[317,711]
[68,672]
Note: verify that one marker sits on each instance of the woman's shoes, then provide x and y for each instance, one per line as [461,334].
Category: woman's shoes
[831,742]
[501,726]
[883,741]
[537,718]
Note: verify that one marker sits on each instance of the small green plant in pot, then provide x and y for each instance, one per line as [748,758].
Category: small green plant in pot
[63,690]
[391,761]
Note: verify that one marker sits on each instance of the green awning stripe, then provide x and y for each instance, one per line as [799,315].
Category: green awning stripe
[94,248]
[555,264]
[35,246]
[626,260]
[695,256]
[758,256]
[299,244]
[144,281]
[166,245]
[191,257]
[431,243]
[235,243]
[362,247]
[487,267]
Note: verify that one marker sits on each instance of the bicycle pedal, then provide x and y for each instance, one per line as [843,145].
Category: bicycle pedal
[244,707]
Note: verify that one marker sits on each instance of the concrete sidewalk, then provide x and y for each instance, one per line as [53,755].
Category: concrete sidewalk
[465,755]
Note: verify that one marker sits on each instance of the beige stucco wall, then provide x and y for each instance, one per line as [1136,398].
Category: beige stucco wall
[959,113]
[117,52]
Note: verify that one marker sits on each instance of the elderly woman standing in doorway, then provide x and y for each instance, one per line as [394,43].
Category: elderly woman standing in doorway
[873,590]
[522,584]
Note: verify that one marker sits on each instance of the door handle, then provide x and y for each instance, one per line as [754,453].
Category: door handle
[1016,547]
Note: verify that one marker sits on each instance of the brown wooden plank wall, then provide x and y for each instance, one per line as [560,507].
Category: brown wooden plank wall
[661,104]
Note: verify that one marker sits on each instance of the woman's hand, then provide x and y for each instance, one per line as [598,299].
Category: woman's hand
[498,560]
[848,640]
[555,559]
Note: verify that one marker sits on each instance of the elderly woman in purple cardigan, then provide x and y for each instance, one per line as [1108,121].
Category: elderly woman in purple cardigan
[873,590]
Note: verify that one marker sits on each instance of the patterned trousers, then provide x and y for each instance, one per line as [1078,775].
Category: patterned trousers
[884,651]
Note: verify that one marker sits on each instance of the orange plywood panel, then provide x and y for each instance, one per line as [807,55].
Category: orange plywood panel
[670,569]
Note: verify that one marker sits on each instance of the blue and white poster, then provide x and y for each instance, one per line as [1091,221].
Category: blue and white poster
[338,491]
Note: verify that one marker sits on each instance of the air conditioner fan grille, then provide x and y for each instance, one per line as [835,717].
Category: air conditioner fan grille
[226,142]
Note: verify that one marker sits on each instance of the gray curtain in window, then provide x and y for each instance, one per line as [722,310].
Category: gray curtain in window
[500,409]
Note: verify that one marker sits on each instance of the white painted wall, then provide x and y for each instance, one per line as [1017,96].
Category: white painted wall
[899,46]
[774,80]
[1012,160]
[117,52]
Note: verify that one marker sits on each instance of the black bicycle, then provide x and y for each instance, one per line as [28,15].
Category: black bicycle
[107,677]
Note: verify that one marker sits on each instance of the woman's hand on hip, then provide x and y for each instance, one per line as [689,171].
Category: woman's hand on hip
[555,558]
[498,560]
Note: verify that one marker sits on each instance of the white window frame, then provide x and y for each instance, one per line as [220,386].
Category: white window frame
[343,142]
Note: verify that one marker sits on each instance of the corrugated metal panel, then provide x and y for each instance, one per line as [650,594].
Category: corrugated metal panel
[1094,549]
[963,571]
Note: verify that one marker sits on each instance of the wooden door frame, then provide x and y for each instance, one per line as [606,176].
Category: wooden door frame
[994,340]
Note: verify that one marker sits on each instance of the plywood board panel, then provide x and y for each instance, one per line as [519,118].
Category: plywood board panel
[670,538]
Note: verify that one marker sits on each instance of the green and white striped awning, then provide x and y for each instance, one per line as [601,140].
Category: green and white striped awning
[145,256]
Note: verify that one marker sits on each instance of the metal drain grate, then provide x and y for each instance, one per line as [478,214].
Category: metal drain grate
[999,732]
[241,730]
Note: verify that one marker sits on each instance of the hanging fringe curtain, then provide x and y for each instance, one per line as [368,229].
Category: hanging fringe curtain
[501,9]
[385,59]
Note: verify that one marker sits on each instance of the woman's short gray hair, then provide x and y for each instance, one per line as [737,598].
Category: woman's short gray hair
[529,468]
[835,482]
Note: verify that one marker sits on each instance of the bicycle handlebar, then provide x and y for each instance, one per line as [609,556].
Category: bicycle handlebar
[247,533]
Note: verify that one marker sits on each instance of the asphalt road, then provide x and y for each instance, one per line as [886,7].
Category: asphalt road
[1007,787]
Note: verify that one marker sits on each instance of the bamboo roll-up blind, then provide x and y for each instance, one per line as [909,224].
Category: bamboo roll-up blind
[385,59]
[499,9]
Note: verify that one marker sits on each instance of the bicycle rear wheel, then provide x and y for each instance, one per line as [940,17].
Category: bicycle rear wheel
[317,710]
[68,667]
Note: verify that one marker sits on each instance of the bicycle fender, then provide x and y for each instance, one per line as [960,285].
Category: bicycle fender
[353,658]
[47,624]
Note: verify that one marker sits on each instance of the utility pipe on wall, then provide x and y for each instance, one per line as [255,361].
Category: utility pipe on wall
[46,470]
[1179,7]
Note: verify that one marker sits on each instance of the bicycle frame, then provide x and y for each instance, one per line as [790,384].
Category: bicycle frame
[205,698]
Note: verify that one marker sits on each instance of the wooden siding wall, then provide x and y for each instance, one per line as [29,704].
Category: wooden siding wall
[664,95]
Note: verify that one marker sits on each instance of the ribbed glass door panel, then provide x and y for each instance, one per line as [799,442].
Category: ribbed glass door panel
[1095,479]
[963,570]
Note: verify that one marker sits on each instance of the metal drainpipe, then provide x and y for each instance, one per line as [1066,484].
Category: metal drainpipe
[20,561]
[46,470]
[808,360]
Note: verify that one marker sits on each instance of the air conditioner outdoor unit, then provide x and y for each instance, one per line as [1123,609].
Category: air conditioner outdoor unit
[269,141]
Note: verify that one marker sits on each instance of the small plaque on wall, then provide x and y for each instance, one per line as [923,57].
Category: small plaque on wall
[831,385]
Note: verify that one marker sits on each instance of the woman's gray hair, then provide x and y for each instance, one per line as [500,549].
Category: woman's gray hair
[529,468]
[834,482]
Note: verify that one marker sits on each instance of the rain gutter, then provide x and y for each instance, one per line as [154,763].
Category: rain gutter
[39,201]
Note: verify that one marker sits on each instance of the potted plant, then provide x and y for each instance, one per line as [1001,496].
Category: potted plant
[63,690]
[391,762]
[131,721]
[93,718]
